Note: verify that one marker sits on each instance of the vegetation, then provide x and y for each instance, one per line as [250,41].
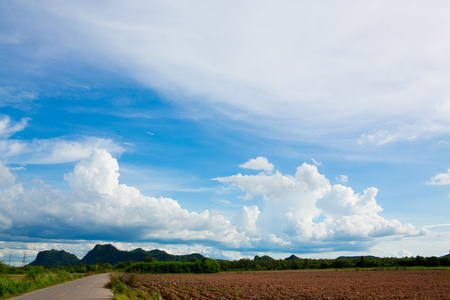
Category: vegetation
[110,254]
[53,267]
[16,281]
[128,287]
[106,254]
[259,264]
[204,265]
[19,280]
[54,258]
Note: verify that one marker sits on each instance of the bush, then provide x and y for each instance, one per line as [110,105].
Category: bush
[200,266]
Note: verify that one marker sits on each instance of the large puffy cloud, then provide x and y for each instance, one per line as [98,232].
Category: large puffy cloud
[300,213]
[305,210]
[99,207]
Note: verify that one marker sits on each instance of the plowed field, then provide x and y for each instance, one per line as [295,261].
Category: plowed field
[304,284]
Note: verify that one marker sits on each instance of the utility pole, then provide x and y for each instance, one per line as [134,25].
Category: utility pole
[24,258]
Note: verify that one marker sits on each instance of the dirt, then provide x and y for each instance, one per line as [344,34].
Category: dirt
[304,284]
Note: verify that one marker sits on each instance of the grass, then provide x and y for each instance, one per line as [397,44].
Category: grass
[15,285]
[127,287]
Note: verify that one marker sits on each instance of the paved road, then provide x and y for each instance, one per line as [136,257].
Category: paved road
[91,287]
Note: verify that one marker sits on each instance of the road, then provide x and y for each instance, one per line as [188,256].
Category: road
[91,287]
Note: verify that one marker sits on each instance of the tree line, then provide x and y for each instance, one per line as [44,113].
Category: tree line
[206,265]
[338,263]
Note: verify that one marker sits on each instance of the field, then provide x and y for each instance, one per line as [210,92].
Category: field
[302,284]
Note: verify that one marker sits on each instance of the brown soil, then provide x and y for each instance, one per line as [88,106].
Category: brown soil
[304,284]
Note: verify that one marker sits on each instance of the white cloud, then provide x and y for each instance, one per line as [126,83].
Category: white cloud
[6,177]
[16,98]
[276,240]
[316,163]
[440,179]
[292,205]
[259,163]
[54,150]
[316,69]
[99,207]
[7,128]
[382,137]
[342,178]
[302,212]
[437,225]
[245,221]
[96,174]
[47,151]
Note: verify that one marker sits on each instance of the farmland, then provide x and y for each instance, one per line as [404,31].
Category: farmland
[297,284]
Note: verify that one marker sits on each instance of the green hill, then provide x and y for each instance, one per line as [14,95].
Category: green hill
[54,258]
[264,257]
[106,254]
[292,257]
[110,254]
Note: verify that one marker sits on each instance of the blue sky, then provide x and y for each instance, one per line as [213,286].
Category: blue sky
[226,128]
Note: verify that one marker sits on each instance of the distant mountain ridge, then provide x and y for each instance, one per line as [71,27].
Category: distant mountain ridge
[54,258]
[105,254]
[109,254]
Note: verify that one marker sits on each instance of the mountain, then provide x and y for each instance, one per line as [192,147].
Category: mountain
[54,258]
[110,254]
[448,255]
[292,257]
[105,254]
[265,257]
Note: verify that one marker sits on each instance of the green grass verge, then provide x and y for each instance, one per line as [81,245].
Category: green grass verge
[127,287]
[14,285]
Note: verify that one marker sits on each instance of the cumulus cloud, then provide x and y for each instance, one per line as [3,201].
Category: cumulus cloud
[99,207]
[259,163]
[6,177]
[303,212]
[440,179]
[245,221]
[303,209]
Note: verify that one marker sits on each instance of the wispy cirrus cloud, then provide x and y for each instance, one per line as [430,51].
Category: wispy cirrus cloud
[47,151]
[334,73]
[17,98]
[9,128]
[54,150]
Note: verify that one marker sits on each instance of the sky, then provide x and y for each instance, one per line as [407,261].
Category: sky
[227,128]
